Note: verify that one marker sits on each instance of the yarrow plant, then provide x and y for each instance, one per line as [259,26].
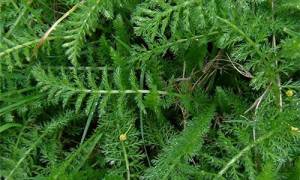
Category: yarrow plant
[149,89]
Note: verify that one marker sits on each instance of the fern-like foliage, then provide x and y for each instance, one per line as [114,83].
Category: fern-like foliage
[124,157]
[159,19]
[174,161]
[66,87]
[90,10]
[49,129]
[153,89]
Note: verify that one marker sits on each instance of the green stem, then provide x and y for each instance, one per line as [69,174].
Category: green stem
[89,120]
[142,78]
[278,79]
[17,21]
[163,47]
[14,92]
[122,91]
[126,160]
[247,38]
[25,156]
[48,130]
[14,4]
[81,68]
[196,37]
[241,153]
[20,46]
[20,103]
[128,91]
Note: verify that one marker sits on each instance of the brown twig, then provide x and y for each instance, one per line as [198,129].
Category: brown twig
[258,101]
[46,35]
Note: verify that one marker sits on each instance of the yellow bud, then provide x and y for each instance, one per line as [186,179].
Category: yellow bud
[289,93]
[123,137]
[295,129]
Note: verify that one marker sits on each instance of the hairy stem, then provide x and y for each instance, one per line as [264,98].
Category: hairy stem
[278,79]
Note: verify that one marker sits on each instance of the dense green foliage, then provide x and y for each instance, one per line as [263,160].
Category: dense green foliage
[150,89]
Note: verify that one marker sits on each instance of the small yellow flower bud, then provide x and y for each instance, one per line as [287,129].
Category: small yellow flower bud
[295,129]
[123,137]
[289,93]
